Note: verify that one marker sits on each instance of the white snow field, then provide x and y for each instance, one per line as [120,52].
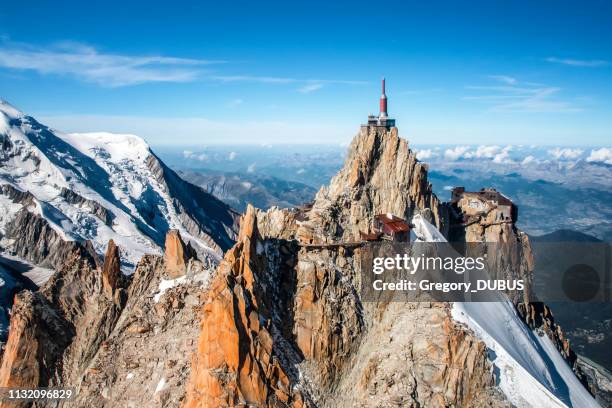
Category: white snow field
[528,368]
[113,171]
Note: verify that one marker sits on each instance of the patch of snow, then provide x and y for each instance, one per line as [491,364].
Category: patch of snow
[129,376]
[424,231]
[38,275]
[166,284]
[56,219]
[161,385]
[8,209]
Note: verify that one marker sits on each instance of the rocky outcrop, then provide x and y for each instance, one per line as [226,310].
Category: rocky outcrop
[111,270]
[238,360]
[177,254]
[37,339]
[24,198]
[145,359]
[381,175]
[94,207]
[508,249]
[35,240]
[599,380]
[284,322]
[509,255]
[417,356]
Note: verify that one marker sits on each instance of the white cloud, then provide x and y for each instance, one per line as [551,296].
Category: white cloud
[282,80]
[528,160]
[578,63]
[456,152]
[503,157]
[250,78]
[232,155]
[251,168]
[484,152]
[189,154]
[603,155]
[565,153]
[425,154]
[88,64]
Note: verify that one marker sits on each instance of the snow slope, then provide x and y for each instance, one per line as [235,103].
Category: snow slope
[121,190]
[529,369]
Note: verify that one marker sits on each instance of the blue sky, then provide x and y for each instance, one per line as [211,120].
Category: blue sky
[265,72]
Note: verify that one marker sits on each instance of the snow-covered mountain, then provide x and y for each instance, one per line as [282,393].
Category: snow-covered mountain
[60,188]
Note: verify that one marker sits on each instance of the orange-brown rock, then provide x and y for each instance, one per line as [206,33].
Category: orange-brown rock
[36,341]
[176,255]
[111,271]
[236,362]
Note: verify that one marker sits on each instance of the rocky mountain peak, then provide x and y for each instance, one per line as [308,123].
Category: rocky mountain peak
[380,175]
[177,254]
[237,360]
[111,271]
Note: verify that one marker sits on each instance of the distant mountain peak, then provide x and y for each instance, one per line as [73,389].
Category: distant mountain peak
[100,186]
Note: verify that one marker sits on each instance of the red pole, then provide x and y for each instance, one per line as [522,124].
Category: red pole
[383,100]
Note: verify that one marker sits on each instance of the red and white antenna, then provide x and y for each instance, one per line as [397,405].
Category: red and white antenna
[383,101]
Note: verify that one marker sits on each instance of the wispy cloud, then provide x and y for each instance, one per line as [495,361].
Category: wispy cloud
[251,78]
[87,63]
[518,96]
[306,85]
[578,63]
[308,88]
[504,78]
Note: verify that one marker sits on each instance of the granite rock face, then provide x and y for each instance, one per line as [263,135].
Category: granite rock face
[119,341]
[381,175]
[240,357]
[33,239]
[296,331]
[177,254]
[38,336]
